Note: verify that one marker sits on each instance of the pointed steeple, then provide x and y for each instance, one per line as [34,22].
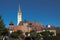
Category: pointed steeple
[19,19]
[19,9]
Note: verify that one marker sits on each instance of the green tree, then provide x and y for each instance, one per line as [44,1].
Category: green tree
[47,35]
[2,26]
[5,32]
[38,37]
[14,35]
[17,35]
[33,34]
[26,33]
[19,32]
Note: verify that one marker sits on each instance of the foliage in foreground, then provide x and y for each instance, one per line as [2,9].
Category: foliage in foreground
[46,35]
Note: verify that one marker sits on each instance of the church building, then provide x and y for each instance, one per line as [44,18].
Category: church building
[24,26]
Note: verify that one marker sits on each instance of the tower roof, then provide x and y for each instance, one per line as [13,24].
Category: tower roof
[11,23]
[19,9]
[19,17]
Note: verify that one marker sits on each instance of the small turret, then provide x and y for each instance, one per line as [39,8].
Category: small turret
[11,23]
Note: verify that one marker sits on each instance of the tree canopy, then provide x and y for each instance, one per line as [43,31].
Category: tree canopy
[2,25]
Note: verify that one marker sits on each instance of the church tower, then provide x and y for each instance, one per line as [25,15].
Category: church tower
[19,19]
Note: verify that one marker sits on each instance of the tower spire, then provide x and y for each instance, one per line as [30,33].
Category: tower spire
[19,19]
[19,10]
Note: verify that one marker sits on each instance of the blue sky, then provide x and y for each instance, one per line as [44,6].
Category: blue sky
[42,11]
